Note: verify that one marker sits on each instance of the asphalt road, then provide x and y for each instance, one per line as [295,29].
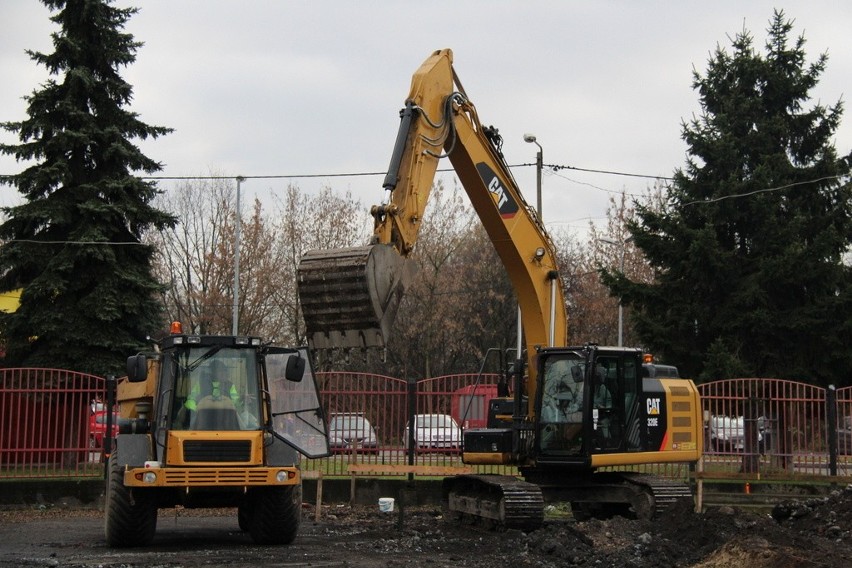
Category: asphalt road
[180,541]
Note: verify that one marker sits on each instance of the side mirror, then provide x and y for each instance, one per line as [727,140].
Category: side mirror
[137,368]
[295,368]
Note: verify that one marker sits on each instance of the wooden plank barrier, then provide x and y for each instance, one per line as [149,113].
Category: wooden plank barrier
[315,474]
[357,469]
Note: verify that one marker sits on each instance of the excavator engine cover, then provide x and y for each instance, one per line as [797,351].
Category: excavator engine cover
[350,296]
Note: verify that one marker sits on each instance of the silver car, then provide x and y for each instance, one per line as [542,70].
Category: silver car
[352,432]
[434,432]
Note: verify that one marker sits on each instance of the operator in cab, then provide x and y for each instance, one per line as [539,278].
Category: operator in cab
[562,404]
[214,384]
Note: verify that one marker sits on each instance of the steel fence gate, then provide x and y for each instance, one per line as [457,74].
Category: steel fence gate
[45,423]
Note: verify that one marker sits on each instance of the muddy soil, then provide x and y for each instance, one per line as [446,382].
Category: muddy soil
[809,533]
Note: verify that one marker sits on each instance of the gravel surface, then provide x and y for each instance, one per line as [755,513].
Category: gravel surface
[809,533]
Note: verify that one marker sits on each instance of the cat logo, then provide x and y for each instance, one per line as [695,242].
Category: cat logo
[502,198]
[497,191]
[653,406]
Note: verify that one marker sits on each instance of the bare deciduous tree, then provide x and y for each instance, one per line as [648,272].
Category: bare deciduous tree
[304,223]
[184,253]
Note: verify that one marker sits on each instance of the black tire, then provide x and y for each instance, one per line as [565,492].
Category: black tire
[275,514]
[130,514]
[244,515]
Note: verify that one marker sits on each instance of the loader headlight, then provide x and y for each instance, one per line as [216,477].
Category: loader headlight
[281,476]
[149,477]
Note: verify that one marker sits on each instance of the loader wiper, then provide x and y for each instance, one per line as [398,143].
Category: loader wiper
[205,356]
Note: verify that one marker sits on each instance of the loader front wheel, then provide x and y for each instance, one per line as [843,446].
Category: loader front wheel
[131,514]
[244,515]
[275,514]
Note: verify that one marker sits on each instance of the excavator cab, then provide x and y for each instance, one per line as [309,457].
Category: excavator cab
[587,400]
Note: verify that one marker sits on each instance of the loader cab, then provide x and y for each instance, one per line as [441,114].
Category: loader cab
[587,401]
[217,391]
[229,389]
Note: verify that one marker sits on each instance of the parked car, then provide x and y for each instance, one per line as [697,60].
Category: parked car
[351,431]
[434,432]
[98,424]
[727,433]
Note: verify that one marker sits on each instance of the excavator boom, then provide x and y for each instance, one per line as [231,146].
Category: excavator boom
[349,297]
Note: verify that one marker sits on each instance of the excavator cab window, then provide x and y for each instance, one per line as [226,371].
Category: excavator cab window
[615,410]
[607,402]
[562,398]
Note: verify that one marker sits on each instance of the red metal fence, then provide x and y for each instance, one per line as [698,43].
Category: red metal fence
[772,426]
[45,423]
[363,408]
[751,425]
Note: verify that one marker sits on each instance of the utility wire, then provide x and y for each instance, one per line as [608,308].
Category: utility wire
[764,190]
[554,168]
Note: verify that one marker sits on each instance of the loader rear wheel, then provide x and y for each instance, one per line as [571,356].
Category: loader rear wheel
[131,514]
[275,514]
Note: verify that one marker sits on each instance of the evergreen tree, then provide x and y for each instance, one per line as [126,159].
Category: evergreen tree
[74,245]
[748,251]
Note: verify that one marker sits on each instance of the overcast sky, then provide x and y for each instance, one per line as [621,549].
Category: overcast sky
[281,88]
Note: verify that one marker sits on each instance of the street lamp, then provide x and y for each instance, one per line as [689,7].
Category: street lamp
[623,245]
[235,317]
[530,138]
[539,162]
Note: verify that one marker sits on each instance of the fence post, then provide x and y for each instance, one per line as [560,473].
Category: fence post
[831,426]
[411,398]
[110,404]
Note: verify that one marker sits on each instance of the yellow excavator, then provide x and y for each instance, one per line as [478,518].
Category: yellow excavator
[580,417]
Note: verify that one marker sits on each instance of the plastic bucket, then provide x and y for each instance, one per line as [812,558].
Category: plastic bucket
[386,504]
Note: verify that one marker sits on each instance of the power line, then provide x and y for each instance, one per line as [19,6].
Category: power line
[554,167]
[764,190]
[557,167]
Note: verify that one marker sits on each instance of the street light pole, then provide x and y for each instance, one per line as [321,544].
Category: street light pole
[235,317]
[539,164]
[539,160]
[623,245]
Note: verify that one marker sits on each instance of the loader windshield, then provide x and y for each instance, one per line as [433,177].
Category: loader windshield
[216,389]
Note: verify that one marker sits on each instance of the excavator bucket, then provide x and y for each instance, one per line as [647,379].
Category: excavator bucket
[350,296]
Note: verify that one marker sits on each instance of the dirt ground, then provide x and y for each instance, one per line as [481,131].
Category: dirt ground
[810,533]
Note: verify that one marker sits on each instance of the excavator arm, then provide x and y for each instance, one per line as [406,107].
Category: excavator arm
[350,296]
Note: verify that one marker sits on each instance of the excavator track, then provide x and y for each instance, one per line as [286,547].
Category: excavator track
[662,492]
[498,501]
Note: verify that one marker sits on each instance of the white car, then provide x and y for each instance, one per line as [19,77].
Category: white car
[727,433]
[434,432]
